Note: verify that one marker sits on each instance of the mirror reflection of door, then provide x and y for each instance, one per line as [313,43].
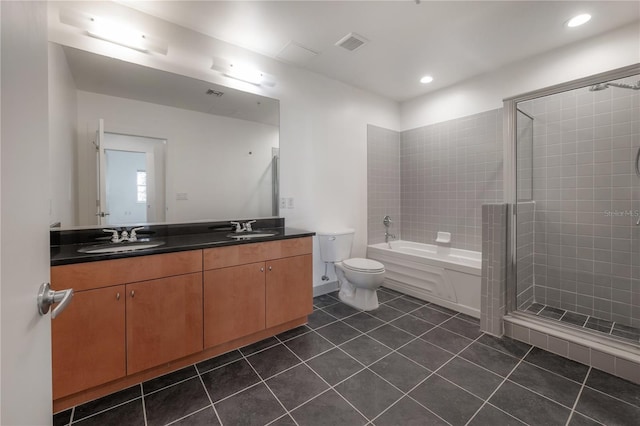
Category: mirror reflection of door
[132,179]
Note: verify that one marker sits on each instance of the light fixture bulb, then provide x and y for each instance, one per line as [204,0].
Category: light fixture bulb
[578,20]
[118,34]
[426,79]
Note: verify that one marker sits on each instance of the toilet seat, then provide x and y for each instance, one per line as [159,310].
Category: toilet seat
[358,264]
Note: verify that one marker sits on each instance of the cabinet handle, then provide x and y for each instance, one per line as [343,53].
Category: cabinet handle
[262,269]
[118,296]
[133,293]
[269,267]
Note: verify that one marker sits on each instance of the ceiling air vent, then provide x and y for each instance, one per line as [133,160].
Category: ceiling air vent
[352,42]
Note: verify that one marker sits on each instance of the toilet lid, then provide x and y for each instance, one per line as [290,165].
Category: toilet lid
[363,265]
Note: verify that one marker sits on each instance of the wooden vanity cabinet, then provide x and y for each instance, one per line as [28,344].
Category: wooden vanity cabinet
[251,287]
[88,341]
[234,303]
[92,340]
[289,292]
[164,320]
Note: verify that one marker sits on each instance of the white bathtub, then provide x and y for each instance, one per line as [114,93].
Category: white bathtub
[446,276]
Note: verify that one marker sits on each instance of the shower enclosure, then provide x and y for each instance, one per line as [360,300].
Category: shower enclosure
[575,229]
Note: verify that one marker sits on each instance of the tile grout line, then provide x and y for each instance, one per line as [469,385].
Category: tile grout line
[432,372]
[173,422]
[500,385]
[267,386]
[575,403]
[206,391]
[331,387]
[144,410]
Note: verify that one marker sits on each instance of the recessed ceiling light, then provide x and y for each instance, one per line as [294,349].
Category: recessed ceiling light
[426,79]
[578,20]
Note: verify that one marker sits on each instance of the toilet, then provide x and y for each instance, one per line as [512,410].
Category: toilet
[359,278]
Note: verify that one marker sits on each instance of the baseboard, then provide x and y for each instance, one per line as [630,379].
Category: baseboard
[325,287]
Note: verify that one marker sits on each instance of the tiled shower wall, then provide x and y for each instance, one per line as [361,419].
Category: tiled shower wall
[448,170]
[587,247]
[383,182]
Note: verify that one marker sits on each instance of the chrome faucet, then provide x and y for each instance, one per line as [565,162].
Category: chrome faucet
[124,236]
[241,227]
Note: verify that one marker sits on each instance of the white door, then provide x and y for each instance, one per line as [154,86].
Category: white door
[25,337]
[131,178]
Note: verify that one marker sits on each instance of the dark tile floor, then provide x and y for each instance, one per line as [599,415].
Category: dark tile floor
[407,363]
[585,321]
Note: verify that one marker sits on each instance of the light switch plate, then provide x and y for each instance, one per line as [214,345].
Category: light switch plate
[283,203]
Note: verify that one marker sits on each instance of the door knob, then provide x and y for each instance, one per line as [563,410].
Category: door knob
[47,297]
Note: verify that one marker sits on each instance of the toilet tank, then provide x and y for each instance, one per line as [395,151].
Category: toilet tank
[335,246]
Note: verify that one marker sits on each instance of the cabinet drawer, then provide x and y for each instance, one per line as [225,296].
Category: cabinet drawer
[223,257]
[84,276]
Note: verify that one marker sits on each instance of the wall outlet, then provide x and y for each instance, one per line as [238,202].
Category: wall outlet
[290,202]
[181,196]
[283,203]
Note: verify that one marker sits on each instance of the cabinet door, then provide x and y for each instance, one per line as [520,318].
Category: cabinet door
[164,320]
[233,303]
[88,341]
[289,289]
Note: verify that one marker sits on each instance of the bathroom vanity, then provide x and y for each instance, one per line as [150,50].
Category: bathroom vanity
[140,314]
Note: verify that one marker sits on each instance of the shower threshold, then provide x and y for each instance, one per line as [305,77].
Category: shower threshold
[588,322]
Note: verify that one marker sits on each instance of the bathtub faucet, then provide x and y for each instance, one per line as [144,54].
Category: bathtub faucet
[387,235]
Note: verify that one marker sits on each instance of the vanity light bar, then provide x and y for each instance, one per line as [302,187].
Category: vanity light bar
[113,32]
[242,72]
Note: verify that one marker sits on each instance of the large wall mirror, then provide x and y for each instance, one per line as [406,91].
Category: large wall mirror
[131,144]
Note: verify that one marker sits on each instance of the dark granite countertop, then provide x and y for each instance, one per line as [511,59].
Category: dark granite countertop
[65,252]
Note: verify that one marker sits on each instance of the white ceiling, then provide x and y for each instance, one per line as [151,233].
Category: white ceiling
[451,40]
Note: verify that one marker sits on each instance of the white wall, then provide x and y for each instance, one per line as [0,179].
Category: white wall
[323,123]
[207,157]
[62,139]
[612,50]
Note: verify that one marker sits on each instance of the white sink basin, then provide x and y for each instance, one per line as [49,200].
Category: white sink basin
[250,235]
[120,247]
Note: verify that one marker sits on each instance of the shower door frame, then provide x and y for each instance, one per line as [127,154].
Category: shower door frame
[510,161]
